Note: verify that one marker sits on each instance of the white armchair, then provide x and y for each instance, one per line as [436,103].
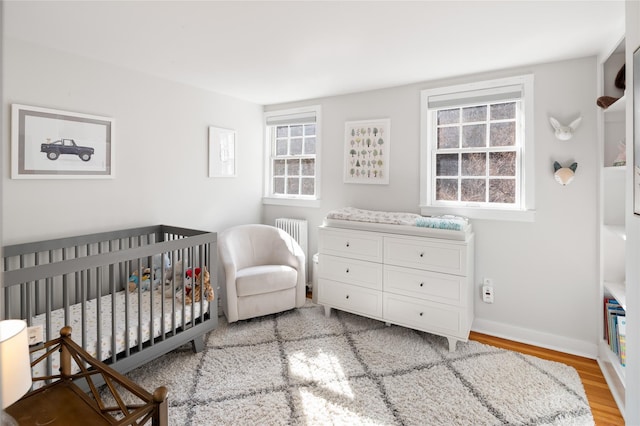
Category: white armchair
[263,271]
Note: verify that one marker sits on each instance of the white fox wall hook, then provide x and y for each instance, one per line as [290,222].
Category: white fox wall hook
[564,133]
[564,175]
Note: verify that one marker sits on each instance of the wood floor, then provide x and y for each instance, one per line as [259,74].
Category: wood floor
[603,406]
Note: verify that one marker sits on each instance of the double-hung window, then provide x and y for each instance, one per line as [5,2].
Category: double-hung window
[476,149]
[292,143]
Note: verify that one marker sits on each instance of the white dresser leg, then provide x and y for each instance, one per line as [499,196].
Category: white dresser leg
[452,344]
[327,311]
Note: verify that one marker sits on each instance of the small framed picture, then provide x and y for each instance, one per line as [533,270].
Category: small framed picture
[222,152]
[54,144]
[635,163]
[366,151]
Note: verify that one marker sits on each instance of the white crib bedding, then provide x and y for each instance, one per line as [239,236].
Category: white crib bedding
[57,322]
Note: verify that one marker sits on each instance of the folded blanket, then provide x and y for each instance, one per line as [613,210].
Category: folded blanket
[455,223]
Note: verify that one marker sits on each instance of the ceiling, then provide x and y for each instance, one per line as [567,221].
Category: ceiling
[271,52]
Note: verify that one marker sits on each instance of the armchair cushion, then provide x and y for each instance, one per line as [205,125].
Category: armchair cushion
[265,279]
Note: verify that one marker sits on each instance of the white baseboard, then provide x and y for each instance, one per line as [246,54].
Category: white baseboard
[536,338]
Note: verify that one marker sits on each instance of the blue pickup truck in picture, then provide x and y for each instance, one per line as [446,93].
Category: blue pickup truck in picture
[66,146]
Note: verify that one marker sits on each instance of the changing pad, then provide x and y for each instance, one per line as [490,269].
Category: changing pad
[448,227]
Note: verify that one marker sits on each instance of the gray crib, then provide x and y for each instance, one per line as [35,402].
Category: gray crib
[88,282]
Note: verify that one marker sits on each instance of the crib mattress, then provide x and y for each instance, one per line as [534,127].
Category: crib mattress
[106,350]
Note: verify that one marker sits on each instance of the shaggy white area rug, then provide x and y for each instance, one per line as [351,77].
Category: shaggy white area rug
[301,368]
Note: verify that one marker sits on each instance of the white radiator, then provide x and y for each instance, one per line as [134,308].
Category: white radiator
[298,229]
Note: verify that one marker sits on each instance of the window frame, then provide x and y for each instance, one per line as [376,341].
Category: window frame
[269,155]
[525,166]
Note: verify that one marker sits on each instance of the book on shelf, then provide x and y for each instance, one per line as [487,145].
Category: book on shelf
[622,339]
[615,328]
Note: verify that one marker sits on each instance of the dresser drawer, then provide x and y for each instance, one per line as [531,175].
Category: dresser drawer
[434,286]
[355,245]
[426,316]
[350,298]
[450,258]
[350,271]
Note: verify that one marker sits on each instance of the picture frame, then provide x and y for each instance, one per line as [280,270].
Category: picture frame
[635,163]
[55,144]
[222,152]
[366,151]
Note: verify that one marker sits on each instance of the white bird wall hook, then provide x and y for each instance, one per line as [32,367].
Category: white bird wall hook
[564,133]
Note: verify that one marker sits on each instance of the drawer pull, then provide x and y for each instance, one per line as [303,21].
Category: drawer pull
[347,296]
[421,254]
[347,271]
[421,284]
[421,313]
[347,243]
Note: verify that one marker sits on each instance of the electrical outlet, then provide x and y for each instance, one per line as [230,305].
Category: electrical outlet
[487,294]
[36,334]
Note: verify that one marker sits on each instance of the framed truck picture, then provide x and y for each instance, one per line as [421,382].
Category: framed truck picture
[54,144]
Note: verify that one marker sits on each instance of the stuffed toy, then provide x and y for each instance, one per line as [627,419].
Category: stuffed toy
[144,283]
[152,277]
[191,291]
[564,175]
[621,158]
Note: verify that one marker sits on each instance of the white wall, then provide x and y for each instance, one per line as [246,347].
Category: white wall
[545,273]
[161,145]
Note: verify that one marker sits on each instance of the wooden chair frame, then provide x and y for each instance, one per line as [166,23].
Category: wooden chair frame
[152,407]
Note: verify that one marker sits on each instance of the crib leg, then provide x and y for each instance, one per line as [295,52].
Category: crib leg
[197,344]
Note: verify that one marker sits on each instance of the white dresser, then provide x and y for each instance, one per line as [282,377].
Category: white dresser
[414,281]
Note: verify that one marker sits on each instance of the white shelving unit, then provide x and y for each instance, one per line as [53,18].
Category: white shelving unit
[612,212]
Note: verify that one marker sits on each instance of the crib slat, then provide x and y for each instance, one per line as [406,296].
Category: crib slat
[65,292]
[98,300]
[114,311]
[48,296]
[83,310]
[185,265]
[151,291]
[163,278]
[38,306]
[193,284]
[139,293]
[25,296]
[174,280]
[127,340]
[77,277]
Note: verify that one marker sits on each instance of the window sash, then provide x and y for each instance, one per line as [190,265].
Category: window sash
[273,124]
[455,101]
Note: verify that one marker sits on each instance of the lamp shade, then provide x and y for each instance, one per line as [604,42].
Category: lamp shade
[15,363]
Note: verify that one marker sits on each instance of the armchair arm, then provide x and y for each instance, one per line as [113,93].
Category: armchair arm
[228,273]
